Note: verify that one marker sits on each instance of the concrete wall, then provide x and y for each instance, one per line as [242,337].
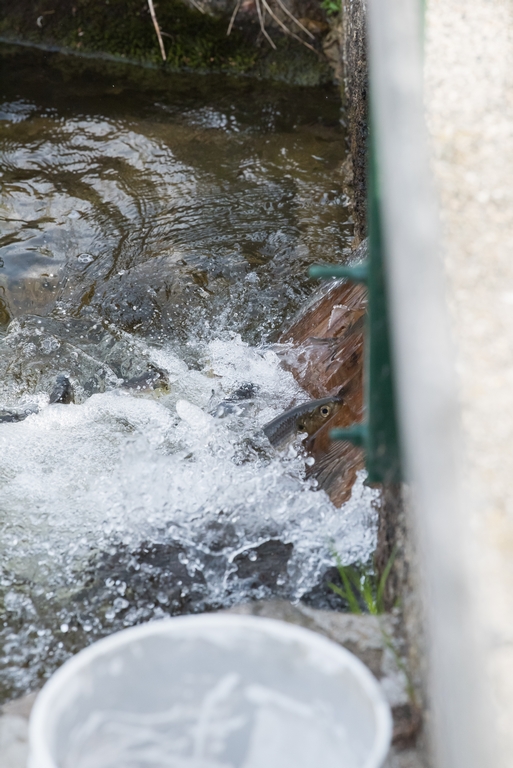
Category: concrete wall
[446,164]
[469,101]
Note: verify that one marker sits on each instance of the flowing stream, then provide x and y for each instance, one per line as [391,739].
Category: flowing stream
[156,224]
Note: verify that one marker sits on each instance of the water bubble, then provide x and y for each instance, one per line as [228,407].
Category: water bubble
[64,628]
[85,258]
[120,604]
[49,345]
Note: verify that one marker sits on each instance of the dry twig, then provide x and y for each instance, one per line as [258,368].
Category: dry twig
[197,6]
[261,18]
[261,7]
[296,21]
[234,14]
[285,28]
[157,28]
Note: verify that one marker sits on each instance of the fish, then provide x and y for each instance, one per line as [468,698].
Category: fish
[154,380]
[308,417]
[7,416]
[238,403]
[62,391]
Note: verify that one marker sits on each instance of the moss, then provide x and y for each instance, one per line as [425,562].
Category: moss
[294,64]
[123,29]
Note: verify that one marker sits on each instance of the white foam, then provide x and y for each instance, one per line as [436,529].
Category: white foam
[84,483]
[122,465]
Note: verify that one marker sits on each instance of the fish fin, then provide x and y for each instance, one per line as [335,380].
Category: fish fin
[332,466]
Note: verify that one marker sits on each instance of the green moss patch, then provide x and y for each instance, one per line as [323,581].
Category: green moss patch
[123,29]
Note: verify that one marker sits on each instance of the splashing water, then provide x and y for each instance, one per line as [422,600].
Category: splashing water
[125,508]
[141,249]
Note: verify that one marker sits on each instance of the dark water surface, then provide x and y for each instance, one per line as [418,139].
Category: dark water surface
[155,222]
[227,188]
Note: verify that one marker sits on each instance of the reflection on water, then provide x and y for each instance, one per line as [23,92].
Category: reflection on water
[155,222]
[139,206]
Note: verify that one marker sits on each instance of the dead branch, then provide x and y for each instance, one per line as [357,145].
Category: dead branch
[261,18]
[285,28]
[262,6]
[234,14]
[296,21]
[157,29]
[197,6]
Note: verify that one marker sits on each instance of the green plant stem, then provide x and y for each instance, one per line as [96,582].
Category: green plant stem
[362,584]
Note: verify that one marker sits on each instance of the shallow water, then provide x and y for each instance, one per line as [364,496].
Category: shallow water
[166,221]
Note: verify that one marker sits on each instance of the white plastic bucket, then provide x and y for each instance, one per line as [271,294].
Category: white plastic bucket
[211,691]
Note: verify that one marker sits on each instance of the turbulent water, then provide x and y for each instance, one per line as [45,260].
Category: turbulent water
[151,221]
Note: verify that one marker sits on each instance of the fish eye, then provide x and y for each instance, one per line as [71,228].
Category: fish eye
[325,410]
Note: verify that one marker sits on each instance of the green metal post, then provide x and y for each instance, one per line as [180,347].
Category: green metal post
[378,435]
[382,448]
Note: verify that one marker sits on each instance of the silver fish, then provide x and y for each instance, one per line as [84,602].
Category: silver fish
[238,404]
[308,417]
[6,415]
[62,391]
[153,380]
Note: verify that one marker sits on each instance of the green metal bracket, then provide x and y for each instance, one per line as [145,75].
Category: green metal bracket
[358,273]
[378,434]
[356,434]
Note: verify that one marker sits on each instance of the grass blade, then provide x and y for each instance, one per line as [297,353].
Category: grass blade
[351,598]
[383,581]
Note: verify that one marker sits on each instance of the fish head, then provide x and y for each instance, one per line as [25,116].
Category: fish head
[308,417]
[311,421]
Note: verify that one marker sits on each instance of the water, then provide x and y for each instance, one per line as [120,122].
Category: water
[151,221]
[234,725]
